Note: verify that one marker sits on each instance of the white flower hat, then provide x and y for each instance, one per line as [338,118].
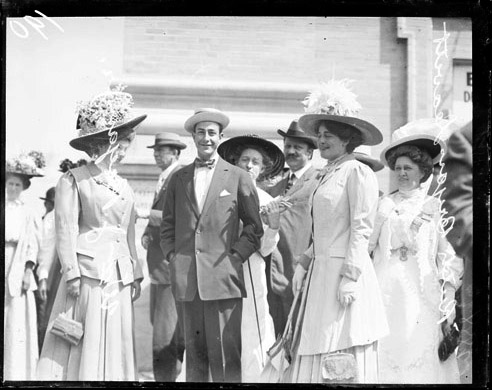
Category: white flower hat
[109,111]
[334,102]
[425,133]
[27,164]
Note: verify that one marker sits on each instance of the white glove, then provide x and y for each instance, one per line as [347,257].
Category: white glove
[347,291]
[298,278]
[448,304]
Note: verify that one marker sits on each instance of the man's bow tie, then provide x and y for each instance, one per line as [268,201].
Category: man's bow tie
[204,164]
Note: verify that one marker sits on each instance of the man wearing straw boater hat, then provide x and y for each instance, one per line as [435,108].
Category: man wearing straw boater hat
[295,222]
[204,205]
[165,313]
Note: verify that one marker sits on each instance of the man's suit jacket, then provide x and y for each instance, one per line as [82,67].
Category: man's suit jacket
[202,245]
[158,269]
[295,229]
[458,190]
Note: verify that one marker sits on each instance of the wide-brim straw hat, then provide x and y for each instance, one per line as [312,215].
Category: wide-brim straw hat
[26,165]
[370,134]
[124,130]
[335,103]
[206,115]
[422,133]
[363,154]
[231,148]
[294,131]
[168,139]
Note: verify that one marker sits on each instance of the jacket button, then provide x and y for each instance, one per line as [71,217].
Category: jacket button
[119,225]
[197,251]
[117,240]
[198,231]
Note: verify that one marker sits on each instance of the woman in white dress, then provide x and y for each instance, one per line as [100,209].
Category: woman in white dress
[417,269]
[342,315]
[95,232]
[20,345]
[261,159]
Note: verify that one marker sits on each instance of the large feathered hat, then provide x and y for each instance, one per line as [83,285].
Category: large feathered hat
[334,102]
[109,111]
[27,164]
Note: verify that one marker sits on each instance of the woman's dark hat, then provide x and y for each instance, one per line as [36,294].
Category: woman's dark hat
[363,154]
[294,131]
[422,133]
[109,111]
[334,102]
[168,139]
[230,149]
[50,195]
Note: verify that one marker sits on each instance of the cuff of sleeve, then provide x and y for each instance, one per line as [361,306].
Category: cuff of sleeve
[239,254]
[304,261]
[72,272]
[351,271]
[42,274]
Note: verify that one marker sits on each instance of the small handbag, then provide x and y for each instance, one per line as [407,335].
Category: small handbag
[68,329]
[339,367]
[65,326]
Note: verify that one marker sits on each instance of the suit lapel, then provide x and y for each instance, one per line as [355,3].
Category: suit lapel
[300,183]
[158,196]
[216,185]
[186,176]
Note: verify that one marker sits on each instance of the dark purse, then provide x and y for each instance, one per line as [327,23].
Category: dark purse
[450,342]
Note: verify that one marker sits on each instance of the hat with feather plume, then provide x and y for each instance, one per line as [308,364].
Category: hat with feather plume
[334,102]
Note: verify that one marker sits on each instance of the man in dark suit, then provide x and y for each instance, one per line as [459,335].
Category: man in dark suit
[205,203]
[297,186]
[165,313]
[458,202]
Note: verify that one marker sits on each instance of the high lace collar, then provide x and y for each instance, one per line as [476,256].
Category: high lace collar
[412,194]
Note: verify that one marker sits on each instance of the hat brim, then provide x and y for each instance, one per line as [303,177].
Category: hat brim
[176,144]
[228,151]
[206,116]
[431,144]
[370,134]
[123,130]
[28,176]
[308,140]
[374,164]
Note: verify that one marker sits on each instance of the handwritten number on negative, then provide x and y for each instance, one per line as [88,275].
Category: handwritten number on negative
[37,24]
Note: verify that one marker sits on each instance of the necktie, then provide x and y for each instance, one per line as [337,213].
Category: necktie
[204,164]
[290,182]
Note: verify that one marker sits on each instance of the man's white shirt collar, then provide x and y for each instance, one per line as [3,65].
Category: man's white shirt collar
[298,174]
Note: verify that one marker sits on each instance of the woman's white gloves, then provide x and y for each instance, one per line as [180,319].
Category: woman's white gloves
[298,278]
[347,291]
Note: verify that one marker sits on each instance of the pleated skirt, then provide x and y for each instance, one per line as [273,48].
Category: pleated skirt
[107,349]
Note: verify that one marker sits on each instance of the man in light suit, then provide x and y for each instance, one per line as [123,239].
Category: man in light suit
[165,313]
[297,186]
[204,205]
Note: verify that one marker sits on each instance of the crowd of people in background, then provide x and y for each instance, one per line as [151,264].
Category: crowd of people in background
[262,268]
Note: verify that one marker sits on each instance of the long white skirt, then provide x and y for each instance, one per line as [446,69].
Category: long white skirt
[107,349]
[20,337]
[253,353]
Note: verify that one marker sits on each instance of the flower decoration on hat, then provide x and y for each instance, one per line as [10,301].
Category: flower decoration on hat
[30,164]
[332,98]
[104,111]
[67,164]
